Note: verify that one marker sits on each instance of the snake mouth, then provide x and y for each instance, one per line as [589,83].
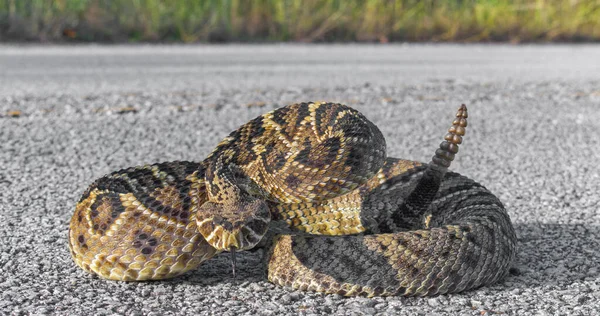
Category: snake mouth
[240,235]
[242,238]
[233,226]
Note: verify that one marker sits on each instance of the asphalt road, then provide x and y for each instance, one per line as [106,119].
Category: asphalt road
[68,115]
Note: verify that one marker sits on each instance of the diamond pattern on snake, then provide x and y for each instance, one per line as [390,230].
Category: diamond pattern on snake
[355,222]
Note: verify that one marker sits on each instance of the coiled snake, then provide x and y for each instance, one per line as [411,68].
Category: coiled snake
[394,227]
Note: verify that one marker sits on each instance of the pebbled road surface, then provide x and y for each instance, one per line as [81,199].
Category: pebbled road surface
[69,114]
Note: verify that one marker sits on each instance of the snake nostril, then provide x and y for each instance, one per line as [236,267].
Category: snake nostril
[152,241]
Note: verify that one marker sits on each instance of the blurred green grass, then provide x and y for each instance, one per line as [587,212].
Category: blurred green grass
[299,20]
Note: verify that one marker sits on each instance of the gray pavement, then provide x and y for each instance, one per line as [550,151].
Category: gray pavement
[68,115]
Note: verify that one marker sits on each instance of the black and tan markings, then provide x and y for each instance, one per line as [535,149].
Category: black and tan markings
[471,246]
[141,223]
[304,152]
[429,240]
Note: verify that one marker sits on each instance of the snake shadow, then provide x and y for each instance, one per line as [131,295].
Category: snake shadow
[555,255]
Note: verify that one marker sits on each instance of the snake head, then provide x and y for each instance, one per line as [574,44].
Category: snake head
[234,226]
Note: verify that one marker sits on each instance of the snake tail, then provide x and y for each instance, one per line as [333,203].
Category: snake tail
[413,211]
[463,239]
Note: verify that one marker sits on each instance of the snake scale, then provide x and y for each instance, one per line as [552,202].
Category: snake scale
[354,222]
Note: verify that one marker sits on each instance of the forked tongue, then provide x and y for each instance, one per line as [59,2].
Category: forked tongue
[233,262]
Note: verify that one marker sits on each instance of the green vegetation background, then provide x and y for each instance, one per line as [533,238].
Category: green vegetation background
[299,20]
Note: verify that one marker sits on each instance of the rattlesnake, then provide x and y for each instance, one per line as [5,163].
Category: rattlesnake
[402,227]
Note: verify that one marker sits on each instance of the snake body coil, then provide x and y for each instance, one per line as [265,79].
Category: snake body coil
[387,226]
